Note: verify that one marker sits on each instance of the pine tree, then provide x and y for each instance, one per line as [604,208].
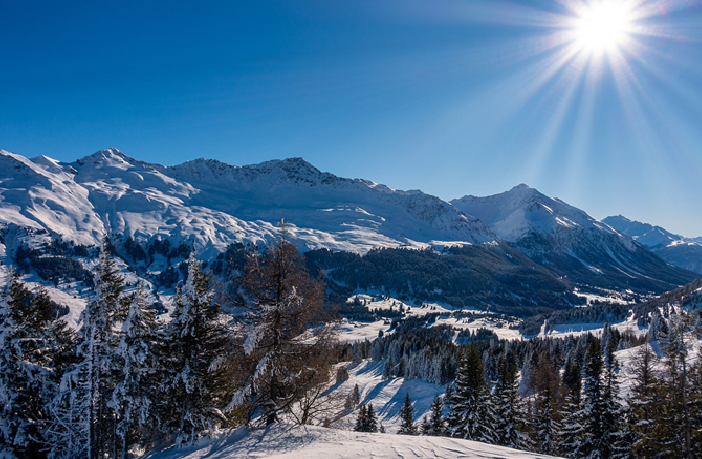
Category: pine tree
[425,428]
[35,348]
[280,302]
[371,420]
[198,385]
[572,431]
[137,386]
[679,432]
[510,418]
[470,412]
[83,417]
[437,427]
[646,404]
[407,426]
[361,419]
[616,441]
[602,410]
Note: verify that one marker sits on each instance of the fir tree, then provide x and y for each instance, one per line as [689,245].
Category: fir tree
[407,426]
[198,384]
[361,419]
[35,348]
[645,404]
[470,413]
[371,420]
[437,427]
[616,441]
[84,419]
[137,386]
[510,419]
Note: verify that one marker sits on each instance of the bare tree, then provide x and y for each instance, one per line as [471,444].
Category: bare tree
[286,340]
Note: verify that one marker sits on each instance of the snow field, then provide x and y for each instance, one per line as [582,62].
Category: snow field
[288,442]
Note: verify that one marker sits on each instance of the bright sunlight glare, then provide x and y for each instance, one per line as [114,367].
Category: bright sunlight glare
[603,26]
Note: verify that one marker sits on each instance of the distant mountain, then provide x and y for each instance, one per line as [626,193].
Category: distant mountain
[558,235]
[210,204]
[676,250]
[53,215]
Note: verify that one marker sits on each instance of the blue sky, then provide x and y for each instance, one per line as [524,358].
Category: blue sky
[451,97]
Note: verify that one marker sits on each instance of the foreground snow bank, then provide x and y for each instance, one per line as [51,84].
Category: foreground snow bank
[282,441]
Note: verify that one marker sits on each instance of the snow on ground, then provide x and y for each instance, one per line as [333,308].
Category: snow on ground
[387,395]
[626,326]
[497,326]
[612,297]
[358,331]
[288,442]
[350,331]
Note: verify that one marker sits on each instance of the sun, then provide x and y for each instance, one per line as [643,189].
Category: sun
[603,26]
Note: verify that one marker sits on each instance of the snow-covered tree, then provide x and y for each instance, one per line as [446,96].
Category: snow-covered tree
[471,414]
[35,348]
[137,386]
[197,384]
[287,341]
[510,412]
[82,414]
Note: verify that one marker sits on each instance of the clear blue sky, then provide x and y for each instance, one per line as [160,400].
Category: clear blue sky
[451,97]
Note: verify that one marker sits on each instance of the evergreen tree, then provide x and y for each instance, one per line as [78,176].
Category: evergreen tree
[371,420]
[597,443]
[437,427]
[470,413]
[137,386]
[83,416]
[198,384]
[616,441]
[407,426]
[35,348]
[646,404]
[510,418]
[361,419]
[426,426]
[679,403]
[572,431]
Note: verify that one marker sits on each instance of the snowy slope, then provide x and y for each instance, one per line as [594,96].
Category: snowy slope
[210,204]
[280,441]
[559,235]
[676,250]
[523,211]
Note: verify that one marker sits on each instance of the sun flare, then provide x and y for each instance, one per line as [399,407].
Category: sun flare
[603,26]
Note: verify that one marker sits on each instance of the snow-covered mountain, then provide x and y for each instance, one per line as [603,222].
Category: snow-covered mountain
[559,235]
[156,214]
[676,250]
[210,204]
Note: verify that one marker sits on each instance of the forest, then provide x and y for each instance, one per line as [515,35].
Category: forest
[262,349]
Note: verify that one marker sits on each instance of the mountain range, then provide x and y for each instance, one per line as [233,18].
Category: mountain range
[208,206]
[676,250]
